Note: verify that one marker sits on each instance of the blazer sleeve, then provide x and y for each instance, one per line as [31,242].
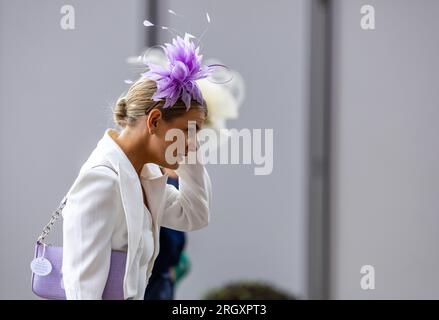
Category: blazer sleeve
[89,219]
[187,209]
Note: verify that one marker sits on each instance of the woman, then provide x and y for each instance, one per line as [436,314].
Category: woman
[120,197]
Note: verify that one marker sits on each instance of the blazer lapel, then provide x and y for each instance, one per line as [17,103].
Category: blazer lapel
[132,199]
[131,194]
[155,184]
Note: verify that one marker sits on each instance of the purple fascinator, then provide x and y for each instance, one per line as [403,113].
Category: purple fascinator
[177,79]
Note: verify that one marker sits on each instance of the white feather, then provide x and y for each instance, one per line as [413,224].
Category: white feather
[147,23]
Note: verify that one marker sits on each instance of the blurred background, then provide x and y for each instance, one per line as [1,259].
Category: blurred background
[354,112]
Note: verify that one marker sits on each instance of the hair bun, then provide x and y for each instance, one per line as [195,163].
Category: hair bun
[122,104]
[120,112]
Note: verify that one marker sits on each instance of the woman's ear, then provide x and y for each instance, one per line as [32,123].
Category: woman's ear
[153,119]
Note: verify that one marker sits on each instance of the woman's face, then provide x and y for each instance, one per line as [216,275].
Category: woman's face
[158,128]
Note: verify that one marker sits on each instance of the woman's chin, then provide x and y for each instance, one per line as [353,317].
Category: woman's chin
[173,166]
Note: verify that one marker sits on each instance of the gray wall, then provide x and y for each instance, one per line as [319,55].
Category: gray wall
[56,89]
[386,159]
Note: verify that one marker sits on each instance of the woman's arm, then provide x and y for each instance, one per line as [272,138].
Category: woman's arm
[89,220]
[187,209]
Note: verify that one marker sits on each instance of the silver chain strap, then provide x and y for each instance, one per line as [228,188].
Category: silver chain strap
[57,213]
[52,221]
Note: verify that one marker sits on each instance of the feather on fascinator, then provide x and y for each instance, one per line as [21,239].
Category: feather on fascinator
[178,78]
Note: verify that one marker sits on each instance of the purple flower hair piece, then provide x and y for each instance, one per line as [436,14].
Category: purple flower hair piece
[177,79]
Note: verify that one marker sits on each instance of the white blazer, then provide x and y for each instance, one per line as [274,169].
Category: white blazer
[105,211]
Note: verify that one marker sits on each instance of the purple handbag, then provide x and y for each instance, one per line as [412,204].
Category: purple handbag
[46,267]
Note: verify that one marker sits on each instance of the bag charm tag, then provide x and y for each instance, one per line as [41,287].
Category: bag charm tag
[40,265]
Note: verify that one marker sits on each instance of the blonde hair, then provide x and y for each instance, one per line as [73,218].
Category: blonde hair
[138,102]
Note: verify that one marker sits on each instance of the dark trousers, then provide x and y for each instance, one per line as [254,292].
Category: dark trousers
[160,287]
